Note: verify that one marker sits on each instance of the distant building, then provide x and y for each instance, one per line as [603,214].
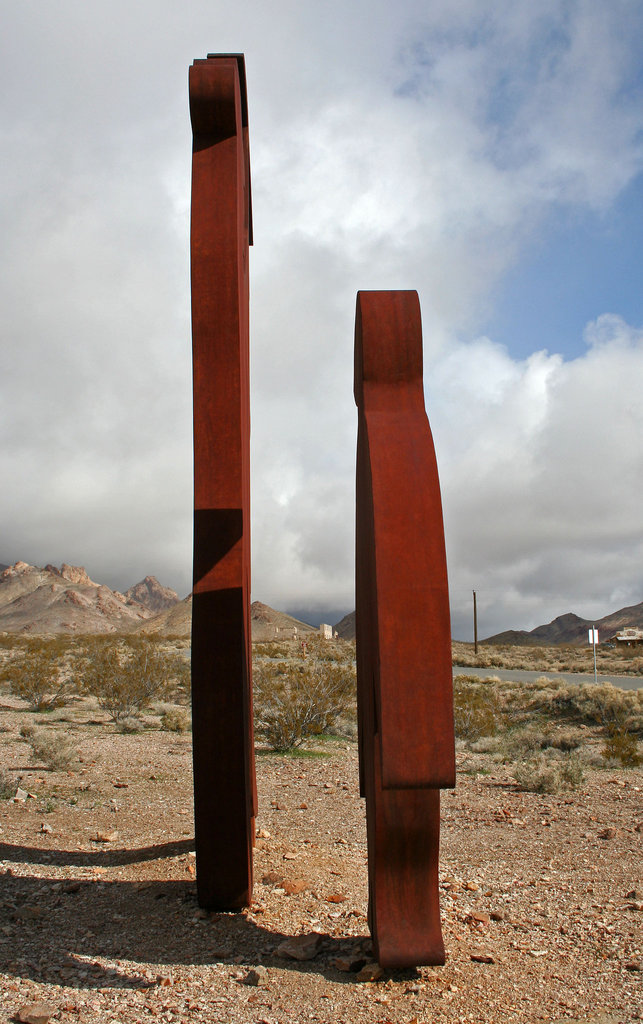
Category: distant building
[631,636]
[325,631]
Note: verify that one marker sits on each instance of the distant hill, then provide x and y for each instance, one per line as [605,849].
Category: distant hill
[345,628]
[571,629]
[152,595]
[266,623]
[66,600]
[174,621]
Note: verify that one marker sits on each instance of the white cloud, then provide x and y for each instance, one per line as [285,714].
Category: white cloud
[541,473]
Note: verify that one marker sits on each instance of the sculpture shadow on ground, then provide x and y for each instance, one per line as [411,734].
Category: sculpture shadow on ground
[57,929]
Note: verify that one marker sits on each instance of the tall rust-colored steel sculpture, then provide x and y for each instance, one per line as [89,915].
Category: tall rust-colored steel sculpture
[403,632]
[224,776]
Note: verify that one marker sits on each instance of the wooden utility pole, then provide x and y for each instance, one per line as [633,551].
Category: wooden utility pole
[475,624]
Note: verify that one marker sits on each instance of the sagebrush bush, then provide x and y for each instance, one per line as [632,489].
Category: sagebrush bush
[130,724]
[55,750]
[476,707]
[176,720]
[621,745]
[294,701]
[542,775]
[41,673]
[126,675]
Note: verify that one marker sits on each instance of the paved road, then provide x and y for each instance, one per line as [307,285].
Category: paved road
[521,675]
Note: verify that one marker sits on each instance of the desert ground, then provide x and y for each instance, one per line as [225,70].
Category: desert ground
[541,891]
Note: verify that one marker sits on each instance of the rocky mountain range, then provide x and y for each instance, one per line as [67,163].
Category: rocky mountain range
[66,600]
[564,629]
[572,629]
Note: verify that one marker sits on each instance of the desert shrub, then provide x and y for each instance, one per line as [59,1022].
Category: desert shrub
[53,749]
[270,650]
[571,772]
[476,706]
[40,673]
[542,775]
[521,743]
[26,731]
[130,724]
[175,720]
[599,704]
[7,786]
[292,702]
[525,740]
[621,745]
[564,740]
[126,675]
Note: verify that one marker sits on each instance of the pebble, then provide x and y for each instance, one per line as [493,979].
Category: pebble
[370,972]
[257,976]
[105,837]
[300,947]
[348,964]
[292,888]
[35,1013]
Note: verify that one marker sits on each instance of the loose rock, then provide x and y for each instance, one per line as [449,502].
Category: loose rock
[300,947]
[257,976]
[35,1013]
[370,972]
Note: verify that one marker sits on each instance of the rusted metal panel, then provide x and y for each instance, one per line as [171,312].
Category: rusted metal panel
[404,676]
[224,776]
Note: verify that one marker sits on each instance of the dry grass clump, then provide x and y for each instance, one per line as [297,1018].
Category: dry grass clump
[176,720]
[621,746]
[476,707]
[542,774]
[55,750]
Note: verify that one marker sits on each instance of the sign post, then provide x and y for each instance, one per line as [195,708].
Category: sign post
[593,640]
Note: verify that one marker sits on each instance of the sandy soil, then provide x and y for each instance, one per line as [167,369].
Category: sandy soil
[99,919]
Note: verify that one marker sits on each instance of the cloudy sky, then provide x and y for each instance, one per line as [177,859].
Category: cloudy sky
[488,154]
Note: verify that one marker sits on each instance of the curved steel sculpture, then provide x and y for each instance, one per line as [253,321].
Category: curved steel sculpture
[404,676]
[221,230]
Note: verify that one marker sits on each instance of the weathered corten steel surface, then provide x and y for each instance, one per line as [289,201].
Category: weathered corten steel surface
[404,680]
[224,776]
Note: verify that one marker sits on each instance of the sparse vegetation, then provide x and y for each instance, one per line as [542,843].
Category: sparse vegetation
[127,674]
[56,750]
[550,658]
[544,775]
[176,719]
[7,786]
[294,700]
[621,746]
[40,672]
[476,707]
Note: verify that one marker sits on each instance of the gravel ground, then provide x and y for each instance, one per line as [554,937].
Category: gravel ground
[541,895]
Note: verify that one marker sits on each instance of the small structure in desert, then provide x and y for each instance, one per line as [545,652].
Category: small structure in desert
[631,636]
[326,631]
